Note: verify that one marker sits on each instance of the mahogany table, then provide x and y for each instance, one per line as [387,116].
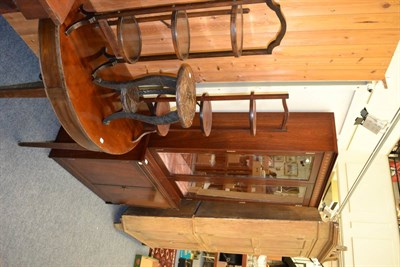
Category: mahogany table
[80,105]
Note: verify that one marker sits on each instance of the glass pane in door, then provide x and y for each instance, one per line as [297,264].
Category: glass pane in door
[296,167]
[241,191]
[241,176]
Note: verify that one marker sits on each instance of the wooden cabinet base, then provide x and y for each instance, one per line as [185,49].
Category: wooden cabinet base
[115,179]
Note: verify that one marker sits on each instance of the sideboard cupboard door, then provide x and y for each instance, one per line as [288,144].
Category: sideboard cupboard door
[116,181]
[134,196]
[111,172]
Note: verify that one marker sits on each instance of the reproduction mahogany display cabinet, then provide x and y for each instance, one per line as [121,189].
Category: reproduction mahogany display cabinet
[280,167]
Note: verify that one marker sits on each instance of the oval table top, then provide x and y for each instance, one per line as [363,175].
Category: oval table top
[81,106]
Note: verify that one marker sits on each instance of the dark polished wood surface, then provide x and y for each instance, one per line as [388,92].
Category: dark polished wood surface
[118,179]
[67,63]
[25,90]
[8,6]
[38,9]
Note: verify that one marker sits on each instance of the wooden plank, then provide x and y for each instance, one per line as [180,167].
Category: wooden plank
[298,39]
[244,228]
[294,75]
[24,90]
[103,5]
[275,72]
[28,30]
[186,210]
[266,63]
[40,9]
[53,145]
[163,224]
[324,40]
[57,10]
[375,41]
[290,7]
[266,21]
[309,8]
[342,51]
[22,93]
[212,209]
[341,37]
[347,21]
[31,9]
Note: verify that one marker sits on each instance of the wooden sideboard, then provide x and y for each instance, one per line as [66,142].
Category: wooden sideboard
[123,179]
[250,228]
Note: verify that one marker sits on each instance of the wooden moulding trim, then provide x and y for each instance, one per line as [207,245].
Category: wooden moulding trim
[159,181]
[248,181]
[55,86]
[334,138]
[331,244]
[244,196]
[322,179]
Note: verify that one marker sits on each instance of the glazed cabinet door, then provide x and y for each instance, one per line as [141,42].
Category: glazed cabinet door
[273,177]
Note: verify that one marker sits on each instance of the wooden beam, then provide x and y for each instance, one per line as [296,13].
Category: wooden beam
[31,9]
[40,9]
[53,145]
[26,90]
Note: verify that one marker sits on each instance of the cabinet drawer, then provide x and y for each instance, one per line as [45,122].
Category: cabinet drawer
[109,172]
[134,196]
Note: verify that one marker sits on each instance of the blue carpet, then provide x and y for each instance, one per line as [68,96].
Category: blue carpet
[17,62]
[47,217]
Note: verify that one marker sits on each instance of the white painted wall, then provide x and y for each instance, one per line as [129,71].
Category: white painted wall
[303,97]
[368,221]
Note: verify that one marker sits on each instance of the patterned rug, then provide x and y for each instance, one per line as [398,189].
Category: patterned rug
[165,256]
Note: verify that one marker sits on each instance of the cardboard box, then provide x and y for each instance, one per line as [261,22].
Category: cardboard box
[145,261]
